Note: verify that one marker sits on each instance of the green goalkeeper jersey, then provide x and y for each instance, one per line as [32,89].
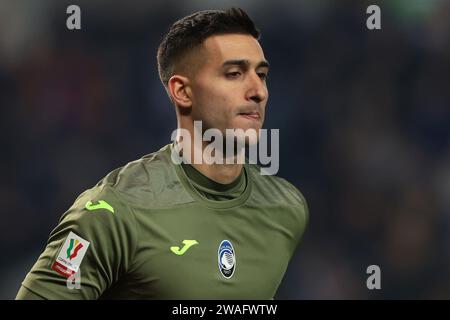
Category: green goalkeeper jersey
[154,229]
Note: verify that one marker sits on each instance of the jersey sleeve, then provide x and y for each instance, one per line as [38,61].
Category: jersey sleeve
[91,247]
[301,213]
[26,294]
[305,210]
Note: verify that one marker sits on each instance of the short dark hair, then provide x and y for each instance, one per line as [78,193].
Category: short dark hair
[190,32]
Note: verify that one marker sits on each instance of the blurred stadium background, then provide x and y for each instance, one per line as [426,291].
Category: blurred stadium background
[364,120]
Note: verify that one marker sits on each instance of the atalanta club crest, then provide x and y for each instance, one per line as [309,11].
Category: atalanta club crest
[227,259]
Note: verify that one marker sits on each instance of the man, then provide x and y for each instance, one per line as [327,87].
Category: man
[155,229]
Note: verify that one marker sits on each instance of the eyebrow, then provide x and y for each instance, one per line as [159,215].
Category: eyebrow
[245,63]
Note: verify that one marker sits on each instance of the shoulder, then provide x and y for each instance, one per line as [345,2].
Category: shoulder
[277,185]
[150,181]
[272,189]
[136,173]
[98,206]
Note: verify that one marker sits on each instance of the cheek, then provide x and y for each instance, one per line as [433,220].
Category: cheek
[215,99]
[208,106]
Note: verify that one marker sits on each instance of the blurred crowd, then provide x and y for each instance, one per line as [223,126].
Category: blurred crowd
[364,120]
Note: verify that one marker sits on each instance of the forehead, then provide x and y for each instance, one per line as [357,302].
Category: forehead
[219,48]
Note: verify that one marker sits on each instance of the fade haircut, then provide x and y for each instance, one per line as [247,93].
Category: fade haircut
[190,32]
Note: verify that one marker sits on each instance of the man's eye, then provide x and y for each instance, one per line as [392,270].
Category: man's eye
[234,74]
[263,76]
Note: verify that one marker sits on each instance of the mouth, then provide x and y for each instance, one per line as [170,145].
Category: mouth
[251,115]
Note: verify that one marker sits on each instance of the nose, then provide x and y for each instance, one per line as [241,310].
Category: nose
[256,90]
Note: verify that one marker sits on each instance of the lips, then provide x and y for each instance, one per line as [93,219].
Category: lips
[253,115]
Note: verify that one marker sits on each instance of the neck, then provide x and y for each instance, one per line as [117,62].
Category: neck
[223,173]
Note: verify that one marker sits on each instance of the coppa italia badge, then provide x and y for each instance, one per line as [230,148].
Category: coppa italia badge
[70,256]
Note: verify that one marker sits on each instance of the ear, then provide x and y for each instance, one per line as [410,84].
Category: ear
[180,91]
